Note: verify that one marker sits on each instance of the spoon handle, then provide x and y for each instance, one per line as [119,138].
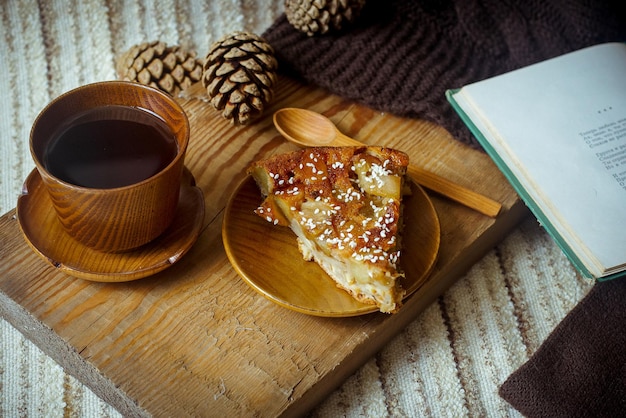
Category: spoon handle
[441,185]
[454,191]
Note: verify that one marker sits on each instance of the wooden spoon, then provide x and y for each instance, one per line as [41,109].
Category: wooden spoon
[311,129]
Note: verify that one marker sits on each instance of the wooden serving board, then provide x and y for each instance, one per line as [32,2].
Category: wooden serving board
[195,339]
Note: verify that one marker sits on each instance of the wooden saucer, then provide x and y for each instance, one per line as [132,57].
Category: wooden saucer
[268,259]
[46,236]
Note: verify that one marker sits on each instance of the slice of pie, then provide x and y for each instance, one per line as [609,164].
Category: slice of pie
[344,205]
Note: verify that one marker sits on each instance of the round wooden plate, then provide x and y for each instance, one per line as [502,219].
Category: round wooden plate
[268,259]
[46,236]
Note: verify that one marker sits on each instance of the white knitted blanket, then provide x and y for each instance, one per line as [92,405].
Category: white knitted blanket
[449,362]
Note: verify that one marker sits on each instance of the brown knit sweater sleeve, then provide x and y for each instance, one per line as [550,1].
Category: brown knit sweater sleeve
[402,55]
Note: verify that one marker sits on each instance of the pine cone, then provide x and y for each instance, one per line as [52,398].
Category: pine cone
[155,64]
[321,16]
[239,74]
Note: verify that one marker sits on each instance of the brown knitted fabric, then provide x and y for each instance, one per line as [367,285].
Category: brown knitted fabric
[402,55]
[580,371]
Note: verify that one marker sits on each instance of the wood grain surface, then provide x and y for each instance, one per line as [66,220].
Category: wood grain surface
[195,339]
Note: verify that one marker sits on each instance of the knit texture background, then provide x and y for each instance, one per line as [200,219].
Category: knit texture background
[580,371]
[400,56]
[452,359]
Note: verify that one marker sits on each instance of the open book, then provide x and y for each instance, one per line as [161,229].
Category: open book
[557,130]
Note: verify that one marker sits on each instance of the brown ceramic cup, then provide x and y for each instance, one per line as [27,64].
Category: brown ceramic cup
[111,216]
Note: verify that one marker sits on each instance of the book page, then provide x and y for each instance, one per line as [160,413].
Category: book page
[564,121]
[608,142]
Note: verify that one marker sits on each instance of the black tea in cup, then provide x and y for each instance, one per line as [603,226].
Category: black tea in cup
[110,146]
